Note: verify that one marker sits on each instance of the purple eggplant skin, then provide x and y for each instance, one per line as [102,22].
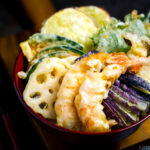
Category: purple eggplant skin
[111,113]
[129,115]
[123,102]
[116,106]
[136,82]
[117,83]
[134,92]
[86,55]
[131,100]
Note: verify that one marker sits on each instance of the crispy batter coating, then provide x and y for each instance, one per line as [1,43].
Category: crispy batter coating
[65,109]
[91,94]
[66,112]
[78,104]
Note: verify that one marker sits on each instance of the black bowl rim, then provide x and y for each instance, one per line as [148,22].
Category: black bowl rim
[59,128]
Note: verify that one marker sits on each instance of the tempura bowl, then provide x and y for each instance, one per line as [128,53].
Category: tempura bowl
[66,134]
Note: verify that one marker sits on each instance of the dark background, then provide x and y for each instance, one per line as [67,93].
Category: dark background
[13,17]
[13,20]
[116,8]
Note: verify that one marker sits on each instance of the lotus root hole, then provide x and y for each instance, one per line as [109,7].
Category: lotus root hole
[107,86]
[54,72]
[115,67]
[43,105]
[60,79]
[41,78]
[51,91]
[35,95]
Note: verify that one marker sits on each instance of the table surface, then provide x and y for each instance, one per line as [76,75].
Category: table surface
[9,49]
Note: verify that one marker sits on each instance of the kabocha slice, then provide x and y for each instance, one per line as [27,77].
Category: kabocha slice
[58,48]
[39,41]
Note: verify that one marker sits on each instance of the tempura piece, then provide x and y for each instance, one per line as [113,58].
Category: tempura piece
[95,88]
[84,87]
[64,106]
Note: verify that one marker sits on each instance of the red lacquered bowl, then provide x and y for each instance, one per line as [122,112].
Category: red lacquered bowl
[66,134]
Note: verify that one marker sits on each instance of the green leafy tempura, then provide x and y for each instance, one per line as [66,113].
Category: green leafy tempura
[109,37]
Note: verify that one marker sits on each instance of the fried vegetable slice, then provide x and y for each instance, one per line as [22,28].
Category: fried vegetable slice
[36,62]
[72,24]
[138,45]
[86,55]
[121,114]
[134,92]
[110,40]
[39,41]
[58,48]
[144,72]
[112,113]
[128,100]
[129,115]
[136,82]
[130,35]
[97,14]
[43,84]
